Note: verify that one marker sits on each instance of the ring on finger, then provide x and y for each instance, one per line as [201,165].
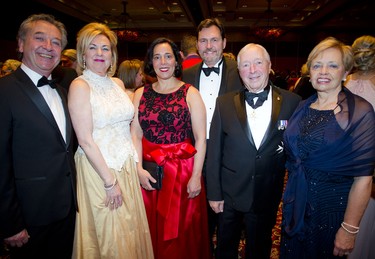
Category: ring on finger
[112,202]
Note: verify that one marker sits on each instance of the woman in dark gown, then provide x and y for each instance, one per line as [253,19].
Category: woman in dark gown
[330,159]
[168,114]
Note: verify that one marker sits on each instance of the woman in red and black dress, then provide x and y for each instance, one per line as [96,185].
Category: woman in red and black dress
[169,115]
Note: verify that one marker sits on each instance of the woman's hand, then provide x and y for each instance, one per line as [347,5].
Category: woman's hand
[194,186]
[344,243]
[114,197]
[145,178]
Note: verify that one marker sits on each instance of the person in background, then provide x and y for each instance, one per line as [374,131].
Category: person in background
[69,58]
[229,55]
[211,44]
[303,86]
[64,76]
[362,83]
[245,160]
[9,66]
[189,54]
[38,177]
[66,71]
[168,113]
[330,151]
[131,73]
[111,222]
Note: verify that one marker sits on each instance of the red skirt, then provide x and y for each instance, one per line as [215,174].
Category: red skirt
[178,225]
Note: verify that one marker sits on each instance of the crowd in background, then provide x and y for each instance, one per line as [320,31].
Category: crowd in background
[219,148]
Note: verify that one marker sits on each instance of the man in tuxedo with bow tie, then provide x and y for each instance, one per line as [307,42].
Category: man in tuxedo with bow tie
[245,160]
[214,76]
[37,183]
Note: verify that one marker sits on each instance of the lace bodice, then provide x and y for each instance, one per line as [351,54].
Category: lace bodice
[112,113]
[165,118]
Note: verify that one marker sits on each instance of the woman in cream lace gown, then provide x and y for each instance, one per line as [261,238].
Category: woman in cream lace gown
[111,222]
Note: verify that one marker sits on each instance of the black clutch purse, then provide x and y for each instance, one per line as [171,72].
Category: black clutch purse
[156,172]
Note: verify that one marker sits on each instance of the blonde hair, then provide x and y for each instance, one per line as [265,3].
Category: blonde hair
[70,54]
[331,42]
[364,53]
[87,34]
[9,66]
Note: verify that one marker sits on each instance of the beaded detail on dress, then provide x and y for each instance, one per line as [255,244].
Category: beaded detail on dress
[312,130]
[112,113]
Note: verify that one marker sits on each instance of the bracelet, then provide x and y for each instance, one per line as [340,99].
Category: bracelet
[110,187]
[346,224]
[349,231]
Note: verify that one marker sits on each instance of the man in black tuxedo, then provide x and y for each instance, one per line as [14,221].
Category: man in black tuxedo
[214,76]
[245,160]
[37,183]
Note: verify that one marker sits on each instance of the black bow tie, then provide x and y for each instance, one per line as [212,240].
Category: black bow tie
[262,96]
[45,81]
[207,70]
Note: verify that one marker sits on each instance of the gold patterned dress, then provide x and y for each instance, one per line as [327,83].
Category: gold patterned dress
[101,232]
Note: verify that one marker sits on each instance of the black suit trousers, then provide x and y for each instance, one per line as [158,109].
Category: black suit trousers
[258,232]
[211,215]
[54,240]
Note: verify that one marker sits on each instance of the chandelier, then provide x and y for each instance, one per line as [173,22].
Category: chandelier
[271,30]
[269,33]
[126,34]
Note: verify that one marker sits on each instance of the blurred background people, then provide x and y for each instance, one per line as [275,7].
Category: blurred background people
[111,222]
[189,52]
[303,86]
[38,177]
[362,83]
[66,71]
[9,66]
[330,151]
[131,73]
[69,58]
[168,114]
[229,55]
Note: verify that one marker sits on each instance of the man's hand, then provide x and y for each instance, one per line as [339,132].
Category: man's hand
[217,206]
[18,239]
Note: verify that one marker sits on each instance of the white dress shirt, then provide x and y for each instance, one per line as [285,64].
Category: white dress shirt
[259,118]
[51,97]
[209,87]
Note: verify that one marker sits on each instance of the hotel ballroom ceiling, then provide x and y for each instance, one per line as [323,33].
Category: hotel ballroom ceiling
[240,17]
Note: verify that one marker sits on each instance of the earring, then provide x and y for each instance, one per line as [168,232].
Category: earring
[84,64]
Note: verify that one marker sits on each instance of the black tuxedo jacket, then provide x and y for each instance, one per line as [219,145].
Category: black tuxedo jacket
[37,172]
[244,177]
[230,80]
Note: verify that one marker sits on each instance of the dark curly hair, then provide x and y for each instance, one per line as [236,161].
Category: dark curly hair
[149,68]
